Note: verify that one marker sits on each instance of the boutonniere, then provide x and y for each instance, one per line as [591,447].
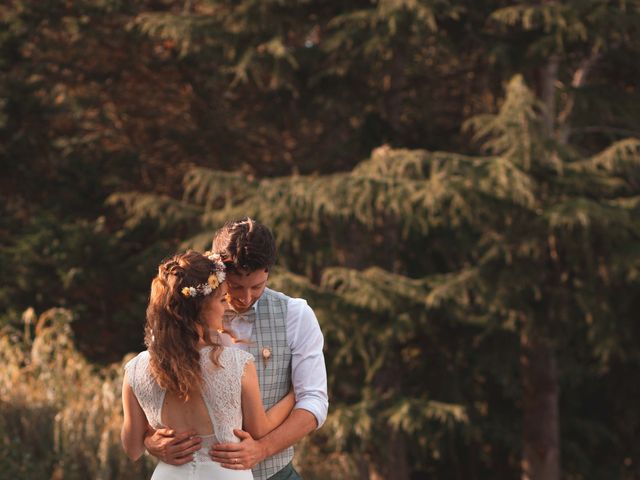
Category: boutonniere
[266,355]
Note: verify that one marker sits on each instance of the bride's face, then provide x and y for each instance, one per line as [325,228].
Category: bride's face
[214,306]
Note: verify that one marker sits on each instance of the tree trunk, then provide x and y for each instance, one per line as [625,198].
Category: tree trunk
[578,81]
[398,465]
[539,371]
[541,438]
[395,85]
[546,92]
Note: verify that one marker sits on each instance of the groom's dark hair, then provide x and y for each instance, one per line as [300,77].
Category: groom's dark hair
[245,245]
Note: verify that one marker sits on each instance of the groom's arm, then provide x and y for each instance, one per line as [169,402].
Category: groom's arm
[308,370]
[299,424]
[250,452]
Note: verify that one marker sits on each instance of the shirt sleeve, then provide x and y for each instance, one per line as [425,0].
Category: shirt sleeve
[308,371]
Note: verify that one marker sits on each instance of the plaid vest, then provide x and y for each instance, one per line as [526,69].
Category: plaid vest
[273,363]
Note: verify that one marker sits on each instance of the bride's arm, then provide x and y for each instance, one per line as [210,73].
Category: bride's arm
[135,423]
[255,420]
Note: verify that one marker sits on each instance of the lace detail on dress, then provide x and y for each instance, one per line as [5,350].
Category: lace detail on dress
[221,390]
[149,394]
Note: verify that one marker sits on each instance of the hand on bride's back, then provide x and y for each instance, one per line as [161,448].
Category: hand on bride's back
[171,447]
[239,456]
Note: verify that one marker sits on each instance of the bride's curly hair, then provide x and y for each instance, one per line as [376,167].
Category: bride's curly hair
[174,325]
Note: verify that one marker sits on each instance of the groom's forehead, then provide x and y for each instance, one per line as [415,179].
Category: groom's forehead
[245,277]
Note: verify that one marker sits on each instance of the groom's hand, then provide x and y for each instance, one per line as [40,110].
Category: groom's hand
[239,456]
[171,447]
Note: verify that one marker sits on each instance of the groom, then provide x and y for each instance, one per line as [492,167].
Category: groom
[283,335]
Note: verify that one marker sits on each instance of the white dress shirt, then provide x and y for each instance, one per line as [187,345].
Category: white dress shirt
[308,371]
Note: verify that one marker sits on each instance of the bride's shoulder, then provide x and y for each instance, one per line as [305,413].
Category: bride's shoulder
[141,359]
[235,355]
[239,356]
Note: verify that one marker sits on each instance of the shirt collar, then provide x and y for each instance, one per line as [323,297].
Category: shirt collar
[248,315]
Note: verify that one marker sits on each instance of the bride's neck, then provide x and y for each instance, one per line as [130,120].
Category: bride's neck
[212,336]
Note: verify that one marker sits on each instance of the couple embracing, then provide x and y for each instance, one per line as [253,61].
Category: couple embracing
[233,374]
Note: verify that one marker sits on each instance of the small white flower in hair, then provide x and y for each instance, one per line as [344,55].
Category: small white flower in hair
[215,257]
[216,277]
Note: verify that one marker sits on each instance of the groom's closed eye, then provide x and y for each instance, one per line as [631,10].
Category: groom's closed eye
[254,287]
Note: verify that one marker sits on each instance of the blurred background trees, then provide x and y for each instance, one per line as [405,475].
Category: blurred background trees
[454,186]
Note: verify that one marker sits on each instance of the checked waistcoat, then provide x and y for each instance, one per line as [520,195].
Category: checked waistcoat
[273,364]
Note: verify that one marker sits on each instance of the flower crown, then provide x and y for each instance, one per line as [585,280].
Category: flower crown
[215,279]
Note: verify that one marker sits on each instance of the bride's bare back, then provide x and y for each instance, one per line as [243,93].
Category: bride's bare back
[190,415]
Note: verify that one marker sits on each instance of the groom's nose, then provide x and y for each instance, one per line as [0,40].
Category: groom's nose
[244,296]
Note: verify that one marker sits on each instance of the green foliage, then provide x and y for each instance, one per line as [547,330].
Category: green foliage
[532,223]
[562,26]
[165,212]
[187,31]
[131,129]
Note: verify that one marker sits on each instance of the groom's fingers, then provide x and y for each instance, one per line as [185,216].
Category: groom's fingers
[224,452]
[230,459]
[241,434]
[235,456]
[187,455]
[183,436]
[171,447]
[181,460]
[225,449]
[181,448]
[185,445]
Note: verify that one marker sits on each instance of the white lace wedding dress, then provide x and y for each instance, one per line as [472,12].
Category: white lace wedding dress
[221,391]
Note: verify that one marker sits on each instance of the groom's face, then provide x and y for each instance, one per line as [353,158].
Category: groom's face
[245,288]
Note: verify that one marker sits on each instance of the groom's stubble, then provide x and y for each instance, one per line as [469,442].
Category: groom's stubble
[245,289]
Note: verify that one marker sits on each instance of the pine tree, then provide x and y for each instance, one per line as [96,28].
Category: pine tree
[522,254]
[532,238]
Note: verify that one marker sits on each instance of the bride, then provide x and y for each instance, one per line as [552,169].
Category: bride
[187,380]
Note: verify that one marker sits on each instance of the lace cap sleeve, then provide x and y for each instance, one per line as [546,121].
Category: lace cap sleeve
[135,370]
[244,357]
[240,360]
[130,370]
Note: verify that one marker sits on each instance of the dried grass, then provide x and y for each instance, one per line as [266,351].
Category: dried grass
[60,416]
